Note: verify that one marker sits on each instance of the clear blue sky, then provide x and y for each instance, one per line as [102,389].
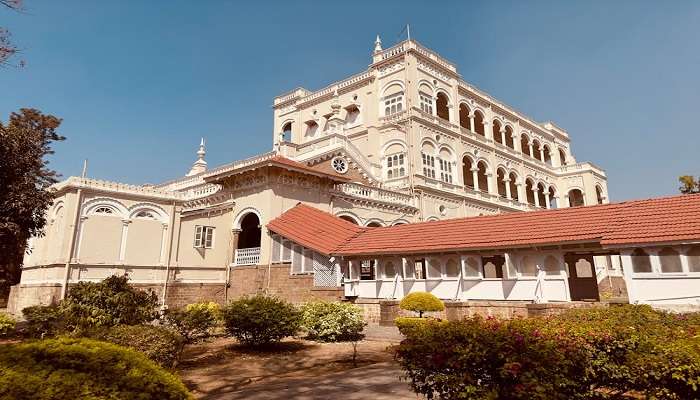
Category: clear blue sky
[138,82]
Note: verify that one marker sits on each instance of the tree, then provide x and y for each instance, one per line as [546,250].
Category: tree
[7,48]
[688,184]
[25,142]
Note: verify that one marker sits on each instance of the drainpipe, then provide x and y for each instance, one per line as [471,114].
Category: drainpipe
[170,253]
[71,246]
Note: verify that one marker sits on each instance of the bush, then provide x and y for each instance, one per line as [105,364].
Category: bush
[158,343]
[194,321]
[108,303]
[7,324]
[583,354]
[421,302]
[407,325]
[43,320]
[63,369]
[260,320]
[332,321]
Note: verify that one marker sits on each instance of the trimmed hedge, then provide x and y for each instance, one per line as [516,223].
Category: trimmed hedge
[158,343]
[42,321]
[407,325]
[583,354]
[68,369]
[260,320]
[332,321]
[421,302]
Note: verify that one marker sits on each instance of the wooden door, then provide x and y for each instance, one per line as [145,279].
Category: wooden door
[583,283]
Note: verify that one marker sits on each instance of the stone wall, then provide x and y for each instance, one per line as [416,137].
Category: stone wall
[383,312]
[613,287]
[25,295]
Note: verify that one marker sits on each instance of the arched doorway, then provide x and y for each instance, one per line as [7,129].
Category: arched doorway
[575,198]
[441,105]
[248,243]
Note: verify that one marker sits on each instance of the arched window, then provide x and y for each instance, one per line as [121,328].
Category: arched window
[551,265]
[145,214]
[497,131]
[472,267]
[529,193]
[352,115]
[441,105]
[349,219]
[428,165]
[390,270]
[395,166]
[547,155]
[670,260]
[464,121]
[311,128]
[501,181]
[640,261]
[528,266]
[553,198]
[599,194]
[393,103]
[479,123]
[562,156]
[103,210]
[426,102]
[514,186]
[374,224]
[249,236]
[525,145]
[510,142]
[536,149]
[452,268]
[434,268]
[541,194]
[575,198]
[693,256]
[467,172]
[482,178]
[287,132]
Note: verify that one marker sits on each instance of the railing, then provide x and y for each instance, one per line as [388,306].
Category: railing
[372,193]
[580,167]
[249,256]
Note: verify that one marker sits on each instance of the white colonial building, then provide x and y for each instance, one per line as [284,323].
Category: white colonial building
[406,141]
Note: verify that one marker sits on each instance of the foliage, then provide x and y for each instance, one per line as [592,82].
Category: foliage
[408,324]
[158,343]
[7,48]
[689,184]
[25,143]
[63,369]
[7,324]
[42,321]
[584,354]
[108,303]
[421,302]
[195,321]
[332,321]
[259,320]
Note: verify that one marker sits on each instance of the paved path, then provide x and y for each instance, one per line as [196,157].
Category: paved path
[378,333]
[373,382]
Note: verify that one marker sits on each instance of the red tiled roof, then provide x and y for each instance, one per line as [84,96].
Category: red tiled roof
[315,229]
[659,220]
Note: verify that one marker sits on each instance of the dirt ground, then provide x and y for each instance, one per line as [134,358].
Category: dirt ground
[221,366]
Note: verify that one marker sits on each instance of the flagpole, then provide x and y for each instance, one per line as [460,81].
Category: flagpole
[408,31]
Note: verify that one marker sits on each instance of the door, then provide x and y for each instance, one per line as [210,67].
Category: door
[583,283]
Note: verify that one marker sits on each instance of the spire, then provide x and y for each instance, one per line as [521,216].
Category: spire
[377,45]
[200,165]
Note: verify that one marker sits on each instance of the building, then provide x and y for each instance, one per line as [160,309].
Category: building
[404,142]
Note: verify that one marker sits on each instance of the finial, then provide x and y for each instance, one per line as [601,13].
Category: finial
[200,165]
[378,45]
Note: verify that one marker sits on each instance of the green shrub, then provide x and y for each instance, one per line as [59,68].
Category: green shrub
[332,321]
[195,321]
[408,324]
[42,321]
[7,324]
[108,303]
[158,343]
[421,302]
[582,354]
[67,369]
[259,320]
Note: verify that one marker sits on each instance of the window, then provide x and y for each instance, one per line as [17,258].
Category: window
[479,123]
[445,171]
[694,259]
[367,270]
[562,156]
[528,266]
[442,106]
[203,237]
[393,104]
[311,128]
[472,267]
[395,167]
[640,261]
[576,198]
[452,268]
[670,260]
[493,267]
[428,166]
[434,269]
[426,103]
[287,132]
[419,268]
[352,116]
[599,194]
[390,270]
[551,265]
[339,165]
[145,215]
[104,210]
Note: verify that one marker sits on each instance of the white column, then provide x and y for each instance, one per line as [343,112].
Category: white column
[122,245]
[163,244]
[475,175]
[532,153]
[537,198]
[81,228]
[522,196]
[503,134]
[542,153]
[490,182]
[471,122]
[507,182]
[547,199]
[487,131]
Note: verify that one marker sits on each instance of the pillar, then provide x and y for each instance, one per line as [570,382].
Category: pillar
[487,132]
[547,199]
[471,122]
[522,196]
[122,245]
[503,135]
[490,182]
[532,153]
[537,198]
[507,182]
[475,175]
[541,153]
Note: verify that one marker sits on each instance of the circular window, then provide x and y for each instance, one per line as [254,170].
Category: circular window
[339,165]
[442,209]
